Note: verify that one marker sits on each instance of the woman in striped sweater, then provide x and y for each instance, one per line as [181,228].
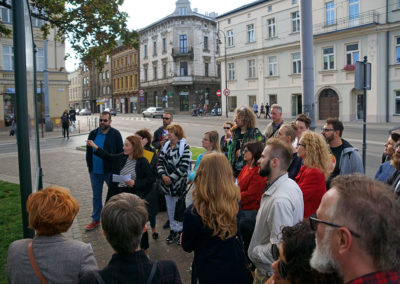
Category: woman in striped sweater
[173,165]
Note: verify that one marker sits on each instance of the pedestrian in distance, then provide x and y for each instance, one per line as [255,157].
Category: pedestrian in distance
[255,109]
[65,123]
[205,109]
[267,111]
[50,257]
[262,110]
[108,139]
[72,115]
[210,225]
[123,220]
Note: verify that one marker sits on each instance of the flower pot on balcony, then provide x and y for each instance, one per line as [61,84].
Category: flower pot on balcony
[349,67]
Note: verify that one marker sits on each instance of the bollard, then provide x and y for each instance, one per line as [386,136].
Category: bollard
[95,122]
[79,126]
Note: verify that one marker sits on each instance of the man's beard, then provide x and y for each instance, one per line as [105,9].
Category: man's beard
[328,139]
[322,259]
[104,127]
[396,160]
[266,171]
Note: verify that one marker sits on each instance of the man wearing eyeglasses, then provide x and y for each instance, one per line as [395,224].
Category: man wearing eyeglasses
[110,140]
[345,157]
[357,231]
[161,134]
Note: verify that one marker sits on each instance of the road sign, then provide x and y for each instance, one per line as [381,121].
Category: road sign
[227,92]
[218,93]
[141,92]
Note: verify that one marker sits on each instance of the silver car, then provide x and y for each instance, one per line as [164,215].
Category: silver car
[153,112]
[85,111]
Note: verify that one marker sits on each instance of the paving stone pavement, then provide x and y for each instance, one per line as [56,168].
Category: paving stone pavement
[67,167]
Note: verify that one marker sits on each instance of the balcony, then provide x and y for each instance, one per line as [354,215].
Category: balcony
[349,67]
[367,18]
[180,53]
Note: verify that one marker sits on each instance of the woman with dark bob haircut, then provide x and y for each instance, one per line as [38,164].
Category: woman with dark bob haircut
[59,259]
[292,258]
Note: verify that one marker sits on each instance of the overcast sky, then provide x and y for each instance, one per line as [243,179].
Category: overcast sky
[143,13]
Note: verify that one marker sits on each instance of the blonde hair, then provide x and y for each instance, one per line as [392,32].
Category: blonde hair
[318,155]
[214,139]
[215,195]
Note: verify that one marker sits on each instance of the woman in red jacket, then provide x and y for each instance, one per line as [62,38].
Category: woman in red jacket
[317,167]
[252,186]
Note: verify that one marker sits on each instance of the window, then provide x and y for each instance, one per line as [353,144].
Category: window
[183,44]
[183,69]
[164,70]
[231,71]
[205,41]
[296,63]
[154,72]
[353,12]
[272,66]
[294,1]
[296,21]
[397,49]
[145,74]
[219,70]
[397,111]
[352,53]
[252,68]
[269,8]
[250,33]
[145,50]
[182,11]
[6,14]
[40,60]
[230,38]
[330,13]
[206,69]
[35,21]
[271,28]
[107,58]
[164,45]
[107,74]
[8,57]
[154,48]
[328,58]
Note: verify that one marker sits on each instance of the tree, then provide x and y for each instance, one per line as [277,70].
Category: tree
[93,27]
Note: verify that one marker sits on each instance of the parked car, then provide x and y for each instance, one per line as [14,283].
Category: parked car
[77,111]
[153,112]
[85,111]
[111,111]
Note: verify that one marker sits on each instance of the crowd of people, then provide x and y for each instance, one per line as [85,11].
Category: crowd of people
[283,205]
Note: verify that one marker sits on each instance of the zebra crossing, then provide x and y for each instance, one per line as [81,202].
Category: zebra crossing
[135,118]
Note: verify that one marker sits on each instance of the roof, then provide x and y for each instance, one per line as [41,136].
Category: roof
[244,7]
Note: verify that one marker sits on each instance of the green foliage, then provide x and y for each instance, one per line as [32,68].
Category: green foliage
[93,27]
[10,221]
[196,151]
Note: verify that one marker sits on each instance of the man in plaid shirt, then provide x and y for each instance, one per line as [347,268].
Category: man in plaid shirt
[358,231]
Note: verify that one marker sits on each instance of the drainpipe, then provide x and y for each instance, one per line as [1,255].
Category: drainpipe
[387,63]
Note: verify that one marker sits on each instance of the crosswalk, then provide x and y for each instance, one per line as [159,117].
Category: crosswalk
[133,118]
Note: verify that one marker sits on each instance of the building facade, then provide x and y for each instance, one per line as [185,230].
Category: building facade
[58,79]
[125,76]
[178,66]
[75,89]
[264,57]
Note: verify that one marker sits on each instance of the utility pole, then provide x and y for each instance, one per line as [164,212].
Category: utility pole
[226,71]
[307,59]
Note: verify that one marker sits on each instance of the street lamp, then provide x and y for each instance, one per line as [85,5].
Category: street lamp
[226,71]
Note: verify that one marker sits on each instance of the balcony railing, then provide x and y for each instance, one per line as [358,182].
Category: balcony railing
[370,17]
[182,53]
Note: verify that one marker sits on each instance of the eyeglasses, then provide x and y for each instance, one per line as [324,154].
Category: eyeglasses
[166,118]
[103,120]
[314,222]
[227,128]
[281,265]
[301,144]
[327,129]
[245,151]
[397,145]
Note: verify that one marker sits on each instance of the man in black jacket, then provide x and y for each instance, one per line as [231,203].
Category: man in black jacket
[110,140]
[160,135]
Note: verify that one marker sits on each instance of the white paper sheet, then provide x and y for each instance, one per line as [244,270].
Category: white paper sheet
[118,178]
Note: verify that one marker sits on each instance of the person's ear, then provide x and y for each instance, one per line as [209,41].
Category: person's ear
[344,240]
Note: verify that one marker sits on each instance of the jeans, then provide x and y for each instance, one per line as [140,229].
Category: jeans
[97,181]
[171,202]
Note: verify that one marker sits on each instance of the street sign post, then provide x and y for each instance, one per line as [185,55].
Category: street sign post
[141,92]
[218,93]
[227,92]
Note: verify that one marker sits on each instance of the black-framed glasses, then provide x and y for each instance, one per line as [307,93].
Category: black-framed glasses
[314,222]
[166,118]
[103,120]
[227,128]
[323,129]
[281,265]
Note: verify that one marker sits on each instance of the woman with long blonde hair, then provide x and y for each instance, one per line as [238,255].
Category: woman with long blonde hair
[210,224]
[316,169]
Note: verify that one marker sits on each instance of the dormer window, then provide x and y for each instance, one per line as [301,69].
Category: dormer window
[182,11]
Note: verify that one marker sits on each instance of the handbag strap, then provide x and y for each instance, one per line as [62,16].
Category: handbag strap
[34,264]
[152,273]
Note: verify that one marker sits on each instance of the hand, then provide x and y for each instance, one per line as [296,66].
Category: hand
[270,280]
[91,144]
[180,238]
[166,180]
[130,182]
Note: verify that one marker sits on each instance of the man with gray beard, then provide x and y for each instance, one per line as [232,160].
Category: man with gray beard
[358,231]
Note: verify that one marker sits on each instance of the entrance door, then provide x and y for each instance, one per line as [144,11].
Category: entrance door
[328,104]
[296,104]
[252,100]
[184,101]
[360,106]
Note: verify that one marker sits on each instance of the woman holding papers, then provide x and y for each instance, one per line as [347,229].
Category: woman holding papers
[149,152]
[131,172]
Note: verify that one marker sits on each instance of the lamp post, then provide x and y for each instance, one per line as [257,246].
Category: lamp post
[226,71]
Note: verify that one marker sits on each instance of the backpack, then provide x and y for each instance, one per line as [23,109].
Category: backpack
[182,144]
